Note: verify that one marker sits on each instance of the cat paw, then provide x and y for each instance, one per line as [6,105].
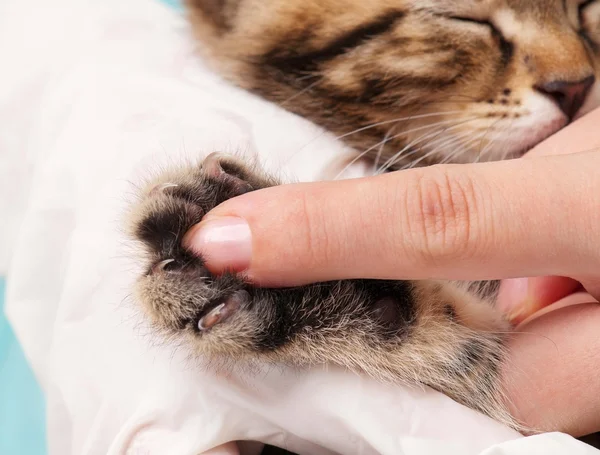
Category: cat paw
[176,290]
[424,332]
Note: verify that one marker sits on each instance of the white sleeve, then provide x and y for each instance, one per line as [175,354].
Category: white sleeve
[543,444]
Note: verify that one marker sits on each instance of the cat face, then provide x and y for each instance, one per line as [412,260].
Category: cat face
[414,81]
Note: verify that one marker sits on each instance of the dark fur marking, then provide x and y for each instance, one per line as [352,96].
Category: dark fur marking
[486,290]
[162,230]
[507,49]
[375,89]
[451,313]
[593,45]
[474,354]
[289,61]
[372,89]
[288,318]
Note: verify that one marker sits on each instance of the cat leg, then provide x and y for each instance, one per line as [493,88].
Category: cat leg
[429,333]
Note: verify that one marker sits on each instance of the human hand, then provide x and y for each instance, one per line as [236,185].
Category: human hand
[529,217]
[522,297]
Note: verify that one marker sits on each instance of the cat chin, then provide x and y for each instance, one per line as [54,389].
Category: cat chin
[522,135]
[519,139]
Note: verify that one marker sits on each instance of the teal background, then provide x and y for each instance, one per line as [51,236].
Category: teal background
[173,3]
[22,410]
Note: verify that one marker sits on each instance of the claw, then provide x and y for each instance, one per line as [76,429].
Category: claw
[161,265]
[212,318]
[161,187]
[223,311]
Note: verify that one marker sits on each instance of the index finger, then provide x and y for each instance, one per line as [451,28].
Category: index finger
[477,221]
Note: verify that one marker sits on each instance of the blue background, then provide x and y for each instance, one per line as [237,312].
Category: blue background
[173,3]
[22,413]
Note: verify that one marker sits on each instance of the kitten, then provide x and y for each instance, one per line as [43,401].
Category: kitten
[405,82]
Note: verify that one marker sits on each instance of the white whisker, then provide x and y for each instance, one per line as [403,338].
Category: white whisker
[439,144]
[373,125]
[380,151]
[400,119]
[388,138]
[460,147]
[398,155]
[395,158]
[300,92]
[491,142]
[452,141]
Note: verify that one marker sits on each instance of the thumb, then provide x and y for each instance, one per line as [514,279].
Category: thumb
[519,218]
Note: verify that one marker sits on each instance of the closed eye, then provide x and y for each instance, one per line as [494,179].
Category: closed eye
[473,21]
[505,46]
[583,32]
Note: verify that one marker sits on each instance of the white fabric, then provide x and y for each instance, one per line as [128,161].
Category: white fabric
[93,95]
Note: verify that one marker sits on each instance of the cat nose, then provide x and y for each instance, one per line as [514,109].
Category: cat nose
[568,95]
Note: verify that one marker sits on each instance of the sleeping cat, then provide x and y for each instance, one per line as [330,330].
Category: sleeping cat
[405,83]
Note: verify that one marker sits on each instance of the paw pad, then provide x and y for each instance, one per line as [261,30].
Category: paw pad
[222,167]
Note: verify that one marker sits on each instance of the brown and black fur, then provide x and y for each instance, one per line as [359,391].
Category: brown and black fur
[349,66]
